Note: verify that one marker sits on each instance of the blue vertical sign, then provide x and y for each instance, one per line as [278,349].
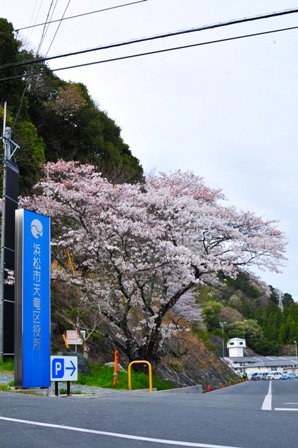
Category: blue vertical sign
[36,300]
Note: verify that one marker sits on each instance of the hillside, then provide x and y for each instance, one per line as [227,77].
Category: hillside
[193,356]
[53,119]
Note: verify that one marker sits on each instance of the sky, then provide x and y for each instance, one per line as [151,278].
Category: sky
[226,111]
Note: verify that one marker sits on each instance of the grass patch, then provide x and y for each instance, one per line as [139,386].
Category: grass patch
[6,366]
[103,376]
[73,392]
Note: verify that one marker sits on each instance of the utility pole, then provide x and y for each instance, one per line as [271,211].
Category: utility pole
[9,196]
[222,324]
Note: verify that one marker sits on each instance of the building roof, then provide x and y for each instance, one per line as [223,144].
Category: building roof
[264,361]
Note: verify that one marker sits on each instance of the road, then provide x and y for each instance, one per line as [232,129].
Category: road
[249,415]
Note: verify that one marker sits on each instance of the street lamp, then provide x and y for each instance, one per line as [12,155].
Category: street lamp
[295,342]
[222,324]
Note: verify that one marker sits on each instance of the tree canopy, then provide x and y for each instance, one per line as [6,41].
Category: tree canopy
[138,248]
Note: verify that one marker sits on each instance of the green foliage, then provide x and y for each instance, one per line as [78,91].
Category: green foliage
[30,157]
[103,376]
[246,328]
[10,90]
[210,315]
[204,335]
[243,283]
[72,392]
[287,299]
[53,119]
[75,129]
[7,365]
[280,327]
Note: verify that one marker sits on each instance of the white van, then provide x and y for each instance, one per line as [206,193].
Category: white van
[274,375]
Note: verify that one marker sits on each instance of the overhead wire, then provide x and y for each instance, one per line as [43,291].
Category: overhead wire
[31,20]
[45,28]
[58,27]
[151,38]
[79,15]
[164,50]
[38,49]
[39,46]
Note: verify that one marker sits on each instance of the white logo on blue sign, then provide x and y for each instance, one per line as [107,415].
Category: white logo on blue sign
[36,228]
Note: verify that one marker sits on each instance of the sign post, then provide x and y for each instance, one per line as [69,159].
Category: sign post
[64,368]
[32,308]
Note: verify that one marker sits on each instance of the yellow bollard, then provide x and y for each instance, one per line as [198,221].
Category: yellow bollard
[150,373]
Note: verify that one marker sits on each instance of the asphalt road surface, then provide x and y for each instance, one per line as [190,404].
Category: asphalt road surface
[249,415]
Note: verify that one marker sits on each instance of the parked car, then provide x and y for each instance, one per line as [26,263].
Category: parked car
[261,376]
[274,375]
[290,376]
[264,375]
[252,376]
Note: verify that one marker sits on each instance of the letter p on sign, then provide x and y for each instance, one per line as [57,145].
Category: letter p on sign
[58,368]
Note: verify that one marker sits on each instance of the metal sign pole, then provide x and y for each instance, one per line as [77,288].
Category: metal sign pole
[7,142]
[6,150]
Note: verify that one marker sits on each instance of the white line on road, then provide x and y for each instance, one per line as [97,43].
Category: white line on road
[285,409]
[114,434]
[267,403]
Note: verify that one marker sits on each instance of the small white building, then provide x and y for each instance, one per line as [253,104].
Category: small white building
[236,346]
[249,364]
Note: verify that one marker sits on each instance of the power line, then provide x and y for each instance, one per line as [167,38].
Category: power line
[44,32]
[120,58]
[58,27]
[79,15]
[151,38]
[41,41]
[45,28]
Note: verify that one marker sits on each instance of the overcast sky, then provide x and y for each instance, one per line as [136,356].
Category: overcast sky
[227,111]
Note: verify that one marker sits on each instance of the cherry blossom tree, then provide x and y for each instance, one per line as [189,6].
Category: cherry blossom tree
[137,249]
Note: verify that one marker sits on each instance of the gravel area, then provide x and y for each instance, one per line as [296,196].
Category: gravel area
[6,377]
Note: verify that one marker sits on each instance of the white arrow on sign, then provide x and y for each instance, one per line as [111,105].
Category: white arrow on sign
[64,368]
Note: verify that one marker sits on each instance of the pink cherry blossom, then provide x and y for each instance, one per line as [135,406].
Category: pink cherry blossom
[138,249]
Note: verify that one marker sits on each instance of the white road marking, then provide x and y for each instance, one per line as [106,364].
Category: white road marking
[285,409]
[114,434]
[267,403]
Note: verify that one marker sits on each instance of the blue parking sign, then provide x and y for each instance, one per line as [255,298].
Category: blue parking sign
[64,368]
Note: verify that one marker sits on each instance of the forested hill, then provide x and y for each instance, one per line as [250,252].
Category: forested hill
[265,317]
[53,119]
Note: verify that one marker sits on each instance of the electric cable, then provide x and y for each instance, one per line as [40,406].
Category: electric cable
[31,20]
[151,38]
[164,50]
[39,46]
[46,25]
[58,27]
[80,15]
[45,28]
